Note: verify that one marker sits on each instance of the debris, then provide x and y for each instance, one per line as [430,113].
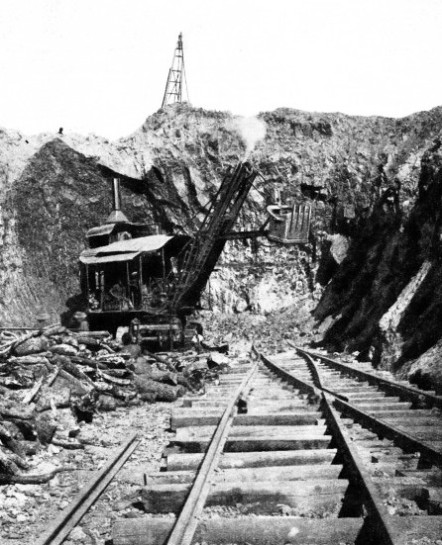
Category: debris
[156,391]
[216,359]
[34,391]
[64,350]
[45,428]
[222,348]
[51,371]
[33,345]
[77,534]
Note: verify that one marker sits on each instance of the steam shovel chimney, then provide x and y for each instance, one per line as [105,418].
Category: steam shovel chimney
[116,216]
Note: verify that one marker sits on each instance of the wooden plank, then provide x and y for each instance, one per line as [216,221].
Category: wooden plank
[423,529]
[396,413]
[432,433]
[258,530]
[372,399]
[274,473]
[421,422]
[275,408]
[196,419]
[305,495]
[283,405]
[143,477]
[255,432]
[277,419]
[279,473]
[382,405]
[247,444]
[270,431]
[254,459]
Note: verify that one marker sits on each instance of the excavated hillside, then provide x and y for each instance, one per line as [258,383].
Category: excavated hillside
[55,187]
[386,298]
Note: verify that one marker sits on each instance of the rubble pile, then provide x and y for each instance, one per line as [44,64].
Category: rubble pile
[53,379]
[269,333]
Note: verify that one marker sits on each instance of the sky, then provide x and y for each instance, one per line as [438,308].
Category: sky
[100,66]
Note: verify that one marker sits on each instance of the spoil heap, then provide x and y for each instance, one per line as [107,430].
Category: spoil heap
[53,379]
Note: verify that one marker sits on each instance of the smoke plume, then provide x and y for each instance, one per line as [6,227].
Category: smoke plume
[251,130]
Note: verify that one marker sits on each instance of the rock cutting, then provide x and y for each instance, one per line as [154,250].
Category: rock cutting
[222,330]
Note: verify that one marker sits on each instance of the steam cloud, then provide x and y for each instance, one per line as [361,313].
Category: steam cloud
[251,130]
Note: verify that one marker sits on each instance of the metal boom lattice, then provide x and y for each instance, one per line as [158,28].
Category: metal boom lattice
[176,79]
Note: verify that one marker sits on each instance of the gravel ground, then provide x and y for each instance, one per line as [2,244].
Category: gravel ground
[26,510]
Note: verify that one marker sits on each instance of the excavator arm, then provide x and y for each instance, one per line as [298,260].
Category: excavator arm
[204,250]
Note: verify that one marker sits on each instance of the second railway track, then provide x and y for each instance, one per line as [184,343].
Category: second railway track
[270,456]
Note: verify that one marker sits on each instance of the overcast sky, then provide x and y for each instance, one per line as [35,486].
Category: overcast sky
[100,66]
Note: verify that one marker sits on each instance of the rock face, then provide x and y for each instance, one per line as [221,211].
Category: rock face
[386,298]
[55,188]
[58,197]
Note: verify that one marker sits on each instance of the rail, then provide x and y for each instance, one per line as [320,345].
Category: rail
[251,464]
[379,519]
[403,439]
[187,521]
[74,512]
[388,385]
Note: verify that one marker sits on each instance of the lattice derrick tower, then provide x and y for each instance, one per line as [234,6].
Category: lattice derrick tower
[176,85]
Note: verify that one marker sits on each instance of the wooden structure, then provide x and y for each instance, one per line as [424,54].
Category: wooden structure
[176,78]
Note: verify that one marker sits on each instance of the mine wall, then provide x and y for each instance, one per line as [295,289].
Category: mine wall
[363,251]
[386,296]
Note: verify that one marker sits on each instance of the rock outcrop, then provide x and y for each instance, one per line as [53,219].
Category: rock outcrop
[386,298]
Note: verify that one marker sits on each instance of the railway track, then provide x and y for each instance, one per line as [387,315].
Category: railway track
[290,465]
[409,416]
[283,450]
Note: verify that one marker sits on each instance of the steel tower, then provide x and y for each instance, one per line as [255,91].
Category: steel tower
[176,79]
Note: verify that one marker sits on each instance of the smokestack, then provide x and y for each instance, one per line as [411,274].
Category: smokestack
[116,194]
[116,216]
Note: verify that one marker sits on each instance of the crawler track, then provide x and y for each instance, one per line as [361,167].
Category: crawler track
[290,470]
